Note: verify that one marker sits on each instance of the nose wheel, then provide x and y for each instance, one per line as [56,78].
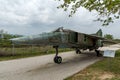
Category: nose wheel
[57,59]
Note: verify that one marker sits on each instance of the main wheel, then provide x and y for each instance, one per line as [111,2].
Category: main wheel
[58,59]
[98,53]
[78,51]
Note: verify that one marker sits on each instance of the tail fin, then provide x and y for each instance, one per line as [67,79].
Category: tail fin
[99,33]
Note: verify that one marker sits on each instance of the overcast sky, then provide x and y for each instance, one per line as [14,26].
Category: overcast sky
[28,17]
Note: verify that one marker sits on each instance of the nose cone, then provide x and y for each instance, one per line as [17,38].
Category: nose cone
[44,38]
[18,40]
[34,39]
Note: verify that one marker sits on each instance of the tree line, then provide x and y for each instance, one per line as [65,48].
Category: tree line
[5,41]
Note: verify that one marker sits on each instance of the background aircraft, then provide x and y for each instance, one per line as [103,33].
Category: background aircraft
[64,38]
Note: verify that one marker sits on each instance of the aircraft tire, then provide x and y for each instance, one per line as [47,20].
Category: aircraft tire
[58,59]
[78,51]
[98,53]
[55,59]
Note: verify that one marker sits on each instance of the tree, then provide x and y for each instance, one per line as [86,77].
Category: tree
[108,36]
[108,10]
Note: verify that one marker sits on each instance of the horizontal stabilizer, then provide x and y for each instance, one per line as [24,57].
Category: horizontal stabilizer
[110,47]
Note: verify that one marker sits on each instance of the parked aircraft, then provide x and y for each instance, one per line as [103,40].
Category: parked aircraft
[64,38]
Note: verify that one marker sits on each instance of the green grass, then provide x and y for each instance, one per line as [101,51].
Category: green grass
[106,69]
[7,53]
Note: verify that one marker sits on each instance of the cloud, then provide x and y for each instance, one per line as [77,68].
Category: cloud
[36,16]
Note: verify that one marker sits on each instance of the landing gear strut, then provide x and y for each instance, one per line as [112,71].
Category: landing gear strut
[97,52]
[57,59]
[78,51]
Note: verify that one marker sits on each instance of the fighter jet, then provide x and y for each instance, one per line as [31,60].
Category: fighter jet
[64,38]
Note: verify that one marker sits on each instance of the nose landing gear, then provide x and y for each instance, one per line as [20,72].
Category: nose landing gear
[57,59]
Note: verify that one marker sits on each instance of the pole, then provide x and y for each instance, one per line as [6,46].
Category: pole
[13,49]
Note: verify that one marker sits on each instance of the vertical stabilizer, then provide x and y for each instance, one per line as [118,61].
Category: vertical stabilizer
[99,42]
[99,33]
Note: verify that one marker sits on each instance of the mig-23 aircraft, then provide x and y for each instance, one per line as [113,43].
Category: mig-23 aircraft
[64,38]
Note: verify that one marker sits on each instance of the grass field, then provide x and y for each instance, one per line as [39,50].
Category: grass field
[106,69]
[10,53]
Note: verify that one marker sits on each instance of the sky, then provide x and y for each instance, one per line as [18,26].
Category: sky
[29,17]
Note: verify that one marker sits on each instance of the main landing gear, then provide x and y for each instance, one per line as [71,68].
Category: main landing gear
[57,59]
[78,51]
[97,52]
